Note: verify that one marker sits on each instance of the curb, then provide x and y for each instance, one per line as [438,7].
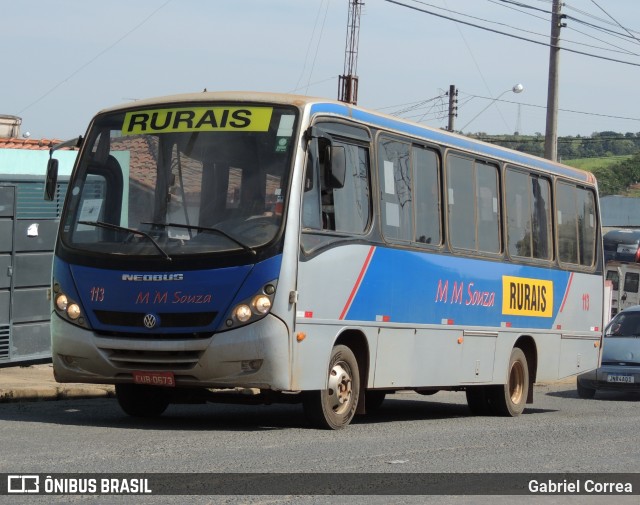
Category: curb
[30,394]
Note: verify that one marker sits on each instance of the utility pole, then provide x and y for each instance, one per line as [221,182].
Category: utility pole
[551,133]
[453,106]
[348,83]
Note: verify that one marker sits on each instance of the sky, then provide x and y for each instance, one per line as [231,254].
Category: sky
[64,60]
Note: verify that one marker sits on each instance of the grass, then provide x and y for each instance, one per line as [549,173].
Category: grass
[590,164]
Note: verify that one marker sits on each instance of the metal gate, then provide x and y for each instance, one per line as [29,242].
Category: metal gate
[28,227]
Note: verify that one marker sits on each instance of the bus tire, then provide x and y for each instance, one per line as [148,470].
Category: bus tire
[141,401]
[478,400]
[510,399]
[334,407]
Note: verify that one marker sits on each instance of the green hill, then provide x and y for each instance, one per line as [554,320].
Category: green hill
[591,164]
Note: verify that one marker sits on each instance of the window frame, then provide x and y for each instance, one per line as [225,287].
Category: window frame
[568,265]
[497,166]
[530,174]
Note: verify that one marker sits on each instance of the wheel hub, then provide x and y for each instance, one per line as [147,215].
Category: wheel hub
[339,387]
[516,381]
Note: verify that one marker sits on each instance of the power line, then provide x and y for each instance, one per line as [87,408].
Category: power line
[478,68]
[510,34]
[589,15]
[526,6]
[614,20]
[501,3]
[306,56]
[561,140]
[410,106]
[82,67]
[561,110]
[315,56]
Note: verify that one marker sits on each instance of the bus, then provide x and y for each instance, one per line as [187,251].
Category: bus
[304,250]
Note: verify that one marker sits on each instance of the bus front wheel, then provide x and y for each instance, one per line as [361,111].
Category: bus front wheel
[335,406]
[509,400]
[141,401]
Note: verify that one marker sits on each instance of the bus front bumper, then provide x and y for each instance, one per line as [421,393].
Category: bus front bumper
[253,356]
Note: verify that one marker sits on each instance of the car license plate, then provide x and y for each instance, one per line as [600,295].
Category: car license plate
[627,249]
[165,379]
[628,379]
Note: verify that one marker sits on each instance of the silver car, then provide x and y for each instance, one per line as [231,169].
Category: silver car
[620,370]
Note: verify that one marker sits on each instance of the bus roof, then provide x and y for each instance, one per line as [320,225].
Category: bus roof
[377,119]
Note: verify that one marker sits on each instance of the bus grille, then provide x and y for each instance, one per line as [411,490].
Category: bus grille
[167,319]
[153,360]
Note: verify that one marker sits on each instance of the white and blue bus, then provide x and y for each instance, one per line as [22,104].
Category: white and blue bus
[306,250]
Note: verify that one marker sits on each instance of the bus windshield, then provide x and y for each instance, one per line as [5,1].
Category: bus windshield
[181,180]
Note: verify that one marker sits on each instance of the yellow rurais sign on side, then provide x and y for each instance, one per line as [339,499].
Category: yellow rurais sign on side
[527,297]
[197,119]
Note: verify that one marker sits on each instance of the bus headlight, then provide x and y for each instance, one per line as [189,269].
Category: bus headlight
[261,304]
[62,302]
[251,309]
[73,311]
[242,313]
[68,308]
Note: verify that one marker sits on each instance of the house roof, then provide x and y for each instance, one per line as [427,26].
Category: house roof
[31,144]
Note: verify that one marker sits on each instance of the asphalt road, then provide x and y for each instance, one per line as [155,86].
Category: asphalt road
[410,433]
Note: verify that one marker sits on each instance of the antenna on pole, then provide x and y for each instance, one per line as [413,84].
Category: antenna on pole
[348,82]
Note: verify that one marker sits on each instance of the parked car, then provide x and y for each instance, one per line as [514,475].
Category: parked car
[620,368]
[622,245]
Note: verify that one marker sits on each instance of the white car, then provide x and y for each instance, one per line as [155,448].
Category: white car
[620,370]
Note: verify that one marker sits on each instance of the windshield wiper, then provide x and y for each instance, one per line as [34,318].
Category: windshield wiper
[110,226]
[205,228]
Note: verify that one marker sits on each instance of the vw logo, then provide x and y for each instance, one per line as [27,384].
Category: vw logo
[150,321]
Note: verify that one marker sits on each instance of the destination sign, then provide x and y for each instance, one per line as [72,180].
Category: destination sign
[527,297]
[197,119]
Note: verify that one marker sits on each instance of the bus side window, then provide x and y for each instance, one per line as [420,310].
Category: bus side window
[347,208]
[396,205]
[577,224]
[528,215]
[311,196]
[472,204]
[426,194]
[331,207]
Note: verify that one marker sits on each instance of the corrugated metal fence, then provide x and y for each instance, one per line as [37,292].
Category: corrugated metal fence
[28,227]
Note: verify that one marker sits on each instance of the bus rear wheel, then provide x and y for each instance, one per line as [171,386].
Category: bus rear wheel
[335,406]
[509,400]
[142,401]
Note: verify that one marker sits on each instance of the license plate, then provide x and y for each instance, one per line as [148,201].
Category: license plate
[165,379]
[627,379]
[627,249]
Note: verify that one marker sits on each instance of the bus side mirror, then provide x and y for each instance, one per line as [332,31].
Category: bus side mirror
[51,180]
[337,165]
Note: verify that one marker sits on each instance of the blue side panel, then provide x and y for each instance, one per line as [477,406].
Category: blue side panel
[412,287]
[446,138]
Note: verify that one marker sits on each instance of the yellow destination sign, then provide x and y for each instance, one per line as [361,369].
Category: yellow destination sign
[197,119]
[527,297]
